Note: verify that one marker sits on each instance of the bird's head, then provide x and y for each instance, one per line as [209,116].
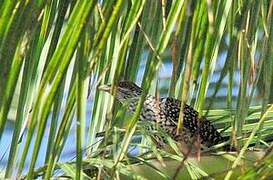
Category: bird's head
[125,90]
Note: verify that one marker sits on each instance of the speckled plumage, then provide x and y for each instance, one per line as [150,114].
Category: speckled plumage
[165,112]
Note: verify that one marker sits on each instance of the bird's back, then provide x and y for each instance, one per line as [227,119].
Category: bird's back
[208,134]
[165,112]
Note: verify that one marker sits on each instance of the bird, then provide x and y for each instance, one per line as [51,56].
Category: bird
[165,111]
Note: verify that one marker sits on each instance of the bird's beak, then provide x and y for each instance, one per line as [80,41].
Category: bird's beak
[105,87]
